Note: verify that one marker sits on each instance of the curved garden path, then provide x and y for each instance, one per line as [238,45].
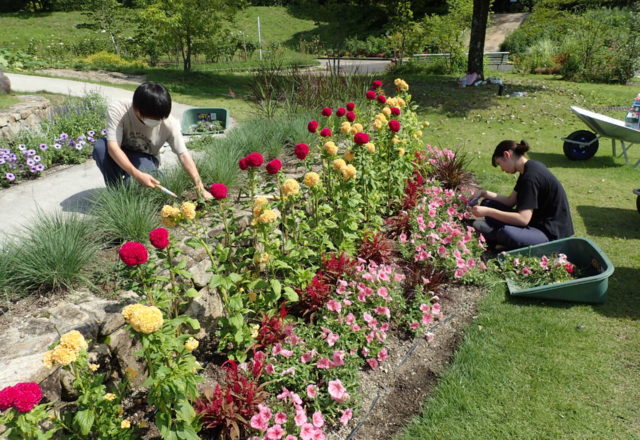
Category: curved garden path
[68,188]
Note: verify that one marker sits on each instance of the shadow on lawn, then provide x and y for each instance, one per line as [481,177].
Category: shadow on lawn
[81,202]
[610,222]
[559,160]
[623,295]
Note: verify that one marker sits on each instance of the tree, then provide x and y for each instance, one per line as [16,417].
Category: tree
[475,62]
[188,26]
[109,16]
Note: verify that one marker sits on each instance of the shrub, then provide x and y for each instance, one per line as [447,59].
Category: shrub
[52,253]
[539,56]
[108,60]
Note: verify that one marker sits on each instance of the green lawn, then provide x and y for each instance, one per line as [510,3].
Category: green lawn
[532,369]
[7,101]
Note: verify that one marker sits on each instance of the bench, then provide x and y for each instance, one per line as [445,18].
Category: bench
[495,60]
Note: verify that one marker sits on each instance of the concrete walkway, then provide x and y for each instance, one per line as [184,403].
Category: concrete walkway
[68,189]
[500,26]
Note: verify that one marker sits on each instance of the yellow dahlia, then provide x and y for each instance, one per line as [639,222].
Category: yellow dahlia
[338,164]
[331,148]
[125,424]
[109,397]
[188,210]
[74,340]
[386,111]
[267,216]
[143,319]
[191,344]
[348,172]
[311,179]
[371,148]
[63,355]
[345,127]
[349,155]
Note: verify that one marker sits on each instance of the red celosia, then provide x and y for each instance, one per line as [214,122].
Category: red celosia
[325,132]
[133,253]
[312,126]
[274,166]
[341,112]
[314,296]
[376,247]
[254,159]
[376,84]
[337,266]
[361,138]
[242,163]
[302,150]
[219,191]
[351,106]
[22,396]
[394,125]
[159,238]
[351,116]
[272,329]
[395,111]
[327,111]
[371,95]
[381,99]
[7,397]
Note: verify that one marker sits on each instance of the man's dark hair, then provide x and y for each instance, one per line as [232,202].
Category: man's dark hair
[152,100]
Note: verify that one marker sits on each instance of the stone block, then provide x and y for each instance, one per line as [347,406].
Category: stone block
[200,273]
[206,307]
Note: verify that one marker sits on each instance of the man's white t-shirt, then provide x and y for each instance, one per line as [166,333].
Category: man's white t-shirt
[131,134]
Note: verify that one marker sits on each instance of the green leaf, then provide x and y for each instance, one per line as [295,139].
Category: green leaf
[185,411]
[290,295]
[194,323]
[235,277]
[84,419]
[276,287]
[192,293]
[236,321]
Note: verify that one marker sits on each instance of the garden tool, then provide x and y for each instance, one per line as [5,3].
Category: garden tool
[166,191]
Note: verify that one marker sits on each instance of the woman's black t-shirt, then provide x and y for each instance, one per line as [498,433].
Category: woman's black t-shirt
[539,190]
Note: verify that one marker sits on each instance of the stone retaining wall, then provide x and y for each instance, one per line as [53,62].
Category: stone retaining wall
[27,114]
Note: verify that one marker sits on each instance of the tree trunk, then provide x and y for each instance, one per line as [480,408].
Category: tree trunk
[475,62]
[187,58]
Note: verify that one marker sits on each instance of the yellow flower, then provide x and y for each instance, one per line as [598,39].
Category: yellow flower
[253,296]
[311,179]
[74,341]
[395,140]
[169,211]
[378,124]
[401,102]
[109,396]
[349,155]
[426,124]
[47,359]
[188,210]
[267,216]
[93,367]
[290,187]
[392,102]
[358,127]
[419,133]
[262,258]
[338,164]
[353,130]
[260,201]
[143,319]
[348,172]
[168,222]
[386,111]
[345,127]
[400,151]
[254,330]
[371,148]
[331,148]
[191,344]
[63,355]
[401,84]
[125,424]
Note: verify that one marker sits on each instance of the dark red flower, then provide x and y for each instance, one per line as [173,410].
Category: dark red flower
[351,116]
[274,166]
[242,163]
[361,138]
[7,397]
[327,111]
[371,95]
[394,125]
[376,84]
[341,112]
[254,159]
[395,111]
[312,126]
[28,395]
[218,191]
[325,132]
[381,99]
[159,238]
[133,253]
[568,267]
[351,106]
[302,150]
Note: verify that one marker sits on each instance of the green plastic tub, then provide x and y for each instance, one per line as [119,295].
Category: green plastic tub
[204,120]
[593,264]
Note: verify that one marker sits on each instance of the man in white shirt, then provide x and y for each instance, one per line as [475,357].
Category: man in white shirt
[135,133]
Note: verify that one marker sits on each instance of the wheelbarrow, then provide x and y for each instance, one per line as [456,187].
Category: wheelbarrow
[204,120]
[583,144]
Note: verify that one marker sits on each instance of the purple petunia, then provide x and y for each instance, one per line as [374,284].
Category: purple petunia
[64,136]
[22,147]
[104,132]
[40,167]
[91,133]
[57,146]
[33,169]
[43,147]
[31,162]
[30,153]
[10,177]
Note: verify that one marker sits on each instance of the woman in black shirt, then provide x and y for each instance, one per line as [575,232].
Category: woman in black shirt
[535,212]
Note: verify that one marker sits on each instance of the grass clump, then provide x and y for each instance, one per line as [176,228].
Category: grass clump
[51,255]
[125,213]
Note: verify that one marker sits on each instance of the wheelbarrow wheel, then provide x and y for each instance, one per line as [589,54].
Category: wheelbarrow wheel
[576,151]
[637,193]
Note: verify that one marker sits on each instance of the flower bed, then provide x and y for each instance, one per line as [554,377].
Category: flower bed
[328,266]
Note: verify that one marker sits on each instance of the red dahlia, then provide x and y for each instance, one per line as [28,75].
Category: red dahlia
[242,163]
[218,191]
[351,116]
[395,111]
[302,150]
[274,166]
[341,112]
[254,159]
[376,84]
[361,138]
[371,95]
[159,238]
[394,125]
[326,111]
[325,132]
[351,106]
[312,126]
[28,395]
[381,99]
[133,253]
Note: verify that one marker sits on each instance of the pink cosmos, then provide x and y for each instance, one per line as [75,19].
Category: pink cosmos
[275,432]
[324,363]
[403,238]
[264,411]
[427,318]
[430,336]
[291,370]
[269,369]
[383,292]
[459,273]
[280,418]
[296,399]
[306,357]
[347,302]
[383,277]
[301,417]
[355,327]
[334,306]
[317,419]
[383,311]
[425,308]
[383,355]
[337,391]
[318,434]
[435,309]
[367,317]
[338,358]
[312,391]
[284,394]
[259,422]
[373,363]
[346,416]
[414,326]
[350,319]
[306,432]
[365,351]
[332,338]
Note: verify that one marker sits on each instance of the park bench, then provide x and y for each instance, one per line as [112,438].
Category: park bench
[495,60]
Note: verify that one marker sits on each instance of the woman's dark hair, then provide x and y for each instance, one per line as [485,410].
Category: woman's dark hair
[152,100]
[518,149]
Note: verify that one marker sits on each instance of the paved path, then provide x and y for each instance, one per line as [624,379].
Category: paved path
[68,189]
[500,26]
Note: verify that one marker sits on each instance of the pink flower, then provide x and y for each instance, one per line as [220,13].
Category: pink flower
[291,437]
[324,363]
[301,417]
[383,292]
[337,391]
[435,309]
[383,311]
[259,422]
[306,357]
[373,363]
[526,270]
[427,318]
[312,391]
[264,411]
[275,432]
[332,338]
[334,306]
[346,416]
[307,431]
[383,355]
[350,319]
[338,358]
[317,419]
[414,326]
[280,418]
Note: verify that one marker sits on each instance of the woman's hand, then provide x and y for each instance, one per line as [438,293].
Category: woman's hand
[480,193]
[480,211]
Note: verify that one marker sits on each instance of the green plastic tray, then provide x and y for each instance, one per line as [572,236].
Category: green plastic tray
[591,262]
[192,116]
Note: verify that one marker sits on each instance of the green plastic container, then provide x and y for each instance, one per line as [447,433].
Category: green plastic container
[592,263]
[193,116]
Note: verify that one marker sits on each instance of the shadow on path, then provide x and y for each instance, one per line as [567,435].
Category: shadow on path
[81,202]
